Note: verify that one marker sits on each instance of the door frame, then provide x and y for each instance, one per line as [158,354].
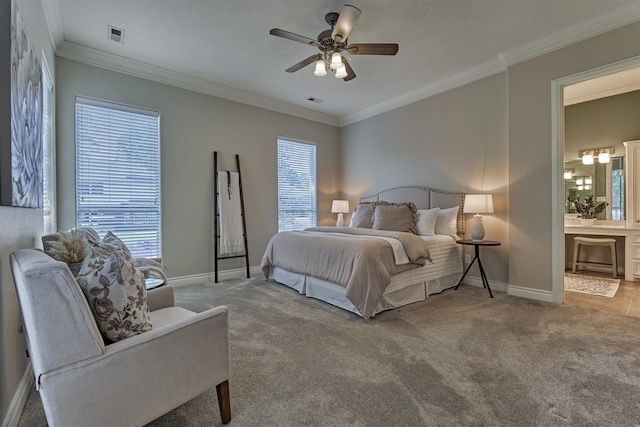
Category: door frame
[557,164]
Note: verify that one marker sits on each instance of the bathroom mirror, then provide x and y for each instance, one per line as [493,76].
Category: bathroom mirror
[604,180]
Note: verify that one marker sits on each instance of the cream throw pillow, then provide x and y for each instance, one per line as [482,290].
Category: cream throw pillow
[426,221]
[447,222]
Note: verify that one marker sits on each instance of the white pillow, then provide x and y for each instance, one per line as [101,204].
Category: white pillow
[426,221]
[447,222]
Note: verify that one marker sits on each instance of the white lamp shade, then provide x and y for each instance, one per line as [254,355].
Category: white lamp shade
[604,158]
[336,61]
[320,70]
[340,206]
[341,72]
[478,203]
[348,15]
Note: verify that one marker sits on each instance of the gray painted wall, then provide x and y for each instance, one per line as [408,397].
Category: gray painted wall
[193,126]
[454,141]
[606,122]
[530,150]
[19,228]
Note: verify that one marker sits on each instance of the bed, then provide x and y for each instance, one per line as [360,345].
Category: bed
[362,268]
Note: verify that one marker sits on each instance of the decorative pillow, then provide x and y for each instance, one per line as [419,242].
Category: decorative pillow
[395,217]
[447,222]
[115,290]
[363,215]
[426,221]
[114,242]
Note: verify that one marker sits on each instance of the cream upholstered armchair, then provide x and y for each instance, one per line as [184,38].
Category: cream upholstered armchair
[83,381]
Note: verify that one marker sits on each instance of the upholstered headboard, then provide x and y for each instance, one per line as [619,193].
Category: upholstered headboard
[423,198]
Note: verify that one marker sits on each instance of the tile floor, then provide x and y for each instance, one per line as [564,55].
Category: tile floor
[625,302]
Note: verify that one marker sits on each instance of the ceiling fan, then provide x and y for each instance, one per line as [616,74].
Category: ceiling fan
[332,43]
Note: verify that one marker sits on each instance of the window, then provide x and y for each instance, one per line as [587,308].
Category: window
[297,205]
[118,173]
[617,188]
[48,153]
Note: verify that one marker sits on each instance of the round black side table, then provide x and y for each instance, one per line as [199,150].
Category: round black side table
[476,244]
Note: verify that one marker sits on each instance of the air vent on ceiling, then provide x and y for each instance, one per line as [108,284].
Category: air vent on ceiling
[313,99]
[115,34]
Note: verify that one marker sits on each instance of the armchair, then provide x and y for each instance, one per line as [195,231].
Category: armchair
[83,381]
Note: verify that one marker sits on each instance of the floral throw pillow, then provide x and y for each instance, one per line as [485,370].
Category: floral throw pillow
[115,290]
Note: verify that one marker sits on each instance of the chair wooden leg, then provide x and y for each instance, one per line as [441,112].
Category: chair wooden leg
[224,402]
[576,251]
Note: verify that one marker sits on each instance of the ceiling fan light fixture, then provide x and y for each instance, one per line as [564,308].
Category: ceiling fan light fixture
[336,61]
[341,72]
[321,69]
[347,18]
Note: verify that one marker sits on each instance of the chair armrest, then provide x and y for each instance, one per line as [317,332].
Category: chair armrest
[161,297]
[188,357]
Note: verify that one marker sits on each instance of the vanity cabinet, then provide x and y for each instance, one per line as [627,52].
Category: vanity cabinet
[632,182]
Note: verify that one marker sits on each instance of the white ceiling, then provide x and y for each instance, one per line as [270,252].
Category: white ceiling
[223,47]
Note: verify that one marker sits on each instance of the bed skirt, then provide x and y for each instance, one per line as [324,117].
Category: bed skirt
[401,291]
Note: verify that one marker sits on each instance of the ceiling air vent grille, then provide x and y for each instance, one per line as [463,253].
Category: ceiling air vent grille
[115,34]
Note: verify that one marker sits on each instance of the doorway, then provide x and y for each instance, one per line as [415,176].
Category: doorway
[591,83]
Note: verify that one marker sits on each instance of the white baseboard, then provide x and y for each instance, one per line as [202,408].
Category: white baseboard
[529,293]
[237,273]
[477,282]
[516,291]
[19,399]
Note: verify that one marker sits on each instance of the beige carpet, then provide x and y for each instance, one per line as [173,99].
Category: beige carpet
[458,359]
[593,285]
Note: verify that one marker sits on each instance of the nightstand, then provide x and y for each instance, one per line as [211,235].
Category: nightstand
[476,244]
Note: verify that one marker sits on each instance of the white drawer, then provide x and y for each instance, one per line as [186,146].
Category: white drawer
[636,268]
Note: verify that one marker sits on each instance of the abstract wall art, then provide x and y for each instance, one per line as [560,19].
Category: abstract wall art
[26,119]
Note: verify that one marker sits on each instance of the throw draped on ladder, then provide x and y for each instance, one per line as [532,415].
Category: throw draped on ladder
[231,229]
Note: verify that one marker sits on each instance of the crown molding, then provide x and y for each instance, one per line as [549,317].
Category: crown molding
[602,94]
[596,26]
[54,22]
[134,68]
[606,22]
[485,70]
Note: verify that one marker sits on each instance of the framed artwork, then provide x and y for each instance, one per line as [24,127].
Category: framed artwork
[26,120]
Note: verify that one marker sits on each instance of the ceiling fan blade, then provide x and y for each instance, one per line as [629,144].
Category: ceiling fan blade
[350,73]
[373,48]
[292,36]
[304,63]
[347,19]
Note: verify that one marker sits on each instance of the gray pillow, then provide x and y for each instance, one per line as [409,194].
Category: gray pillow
[363,215]
[395,217]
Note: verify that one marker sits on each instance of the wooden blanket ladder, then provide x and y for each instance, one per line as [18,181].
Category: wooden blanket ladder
[216,216]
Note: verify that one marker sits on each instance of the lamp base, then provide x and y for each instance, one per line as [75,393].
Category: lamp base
[477,231]
[340,221]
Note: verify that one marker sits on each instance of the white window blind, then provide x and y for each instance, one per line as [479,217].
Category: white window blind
[297,200]
[118,173]
[48,153]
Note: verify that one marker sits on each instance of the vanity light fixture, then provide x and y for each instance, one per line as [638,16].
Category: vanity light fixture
[568,173]
[603,155]
[584,182]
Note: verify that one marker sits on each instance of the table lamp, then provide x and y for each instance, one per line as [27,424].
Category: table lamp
[340,207]
[478,204]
